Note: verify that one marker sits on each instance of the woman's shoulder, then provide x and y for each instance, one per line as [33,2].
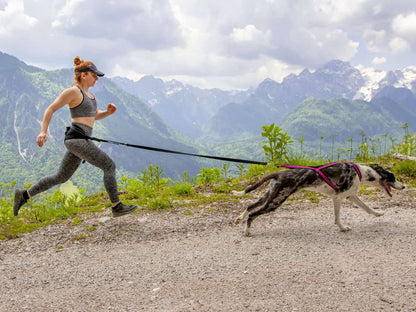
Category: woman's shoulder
[73,89]
[72,96]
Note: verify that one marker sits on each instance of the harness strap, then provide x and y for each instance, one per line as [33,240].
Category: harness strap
[318,170]
[356,169]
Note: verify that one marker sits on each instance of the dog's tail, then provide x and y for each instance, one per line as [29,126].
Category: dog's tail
[260,182]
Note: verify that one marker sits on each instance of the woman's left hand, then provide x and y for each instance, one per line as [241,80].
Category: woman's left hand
[111,108]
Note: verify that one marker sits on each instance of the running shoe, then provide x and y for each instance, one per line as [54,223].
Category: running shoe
[121,209]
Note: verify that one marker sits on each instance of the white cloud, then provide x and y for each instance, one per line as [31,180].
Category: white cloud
[214,43]
[336,12]
[375,39]
[13,18]
[249,42]
[250,34]
[147,25]
[378,60]
[405,25]
[398,45]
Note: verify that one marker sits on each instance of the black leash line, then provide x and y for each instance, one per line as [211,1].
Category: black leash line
[155,149]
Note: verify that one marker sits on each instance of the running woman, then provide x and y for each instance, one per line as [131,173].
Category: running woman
[84,113]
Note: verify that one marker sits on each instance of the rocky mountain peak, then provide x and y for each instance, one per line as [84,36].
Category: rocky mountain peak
[150,82]
[336,67]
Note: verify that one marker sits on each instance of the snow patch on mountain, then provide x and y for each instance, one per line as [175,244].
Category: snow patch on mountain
[372,78]
[375,80]
[408,79]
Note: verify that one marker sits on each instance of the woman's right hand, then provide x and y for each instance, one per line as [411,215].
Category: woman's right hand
[41,139]
[67,96]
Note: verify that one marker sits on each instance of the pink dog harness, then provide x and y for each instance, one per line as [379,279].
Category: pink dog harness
[318,170]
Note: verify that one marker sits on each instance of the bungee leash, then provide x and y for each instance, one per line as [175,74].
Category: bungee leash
[162,150]
[75,132]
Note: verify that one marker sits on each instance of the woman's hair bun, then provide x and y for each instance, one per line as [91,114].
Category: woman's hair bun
[78,60]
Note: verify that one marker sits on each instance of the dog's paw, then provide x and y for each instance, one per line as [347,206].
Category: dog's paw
[237,221]
[345,229]
[238,193]
[378,214]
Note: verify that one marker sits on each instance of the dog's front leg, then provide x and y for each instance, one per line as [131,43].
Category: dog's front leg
[337,208]
[242,216]
[361,204]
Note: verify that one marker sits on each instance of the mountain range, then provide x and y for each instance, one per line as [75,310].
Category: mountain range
[224,116]
[336,99]
[183,107]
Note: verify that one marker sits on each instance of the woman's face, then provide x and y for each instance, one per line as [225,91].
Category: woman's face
[90,78]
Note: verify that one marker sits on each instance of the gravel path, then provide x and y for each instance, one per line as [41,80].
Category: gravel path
[296,260]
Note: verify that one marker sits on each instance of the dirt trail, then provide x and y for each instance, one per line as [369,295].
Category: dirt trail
[296,260]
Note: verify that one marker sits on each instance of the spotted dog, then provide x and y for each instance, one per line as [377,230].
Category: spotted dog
[338,180]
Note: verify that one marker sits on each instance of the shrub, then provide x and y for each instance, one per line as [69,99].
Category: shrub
[159,204]
[182,189]
[209,176]
[255,171]
[406,168]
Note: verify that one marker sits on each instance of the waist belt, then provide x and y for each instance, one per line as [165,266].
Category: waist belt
[75,132]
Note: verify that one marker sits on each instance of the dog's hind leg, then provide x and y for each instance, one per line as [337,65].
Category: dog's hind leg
[268,207]
[362,205]
[259,202]
[250,207]
[337,207]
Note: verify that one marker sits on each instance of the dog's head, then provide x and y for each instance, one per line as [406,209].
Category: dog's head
[387,179]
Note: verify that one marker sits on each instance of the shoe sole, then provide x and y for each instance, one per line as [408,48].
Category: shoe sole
[119,214]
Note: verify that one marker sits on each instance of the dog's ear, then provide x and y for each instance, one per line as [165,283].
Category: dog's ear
[385,174]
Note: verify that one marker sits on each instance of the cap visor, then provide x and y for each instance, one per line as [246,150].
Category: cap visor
[98,73]
[92,69]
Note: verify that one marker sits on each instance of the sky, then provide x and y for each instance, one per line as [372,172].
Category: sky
[231,44]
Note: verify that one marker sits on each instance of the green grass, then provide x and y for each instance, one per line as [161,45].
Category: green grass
[71,205]
[406,172]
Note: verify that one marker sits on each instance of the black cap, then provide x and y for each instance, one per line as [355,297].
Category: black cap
[90,68]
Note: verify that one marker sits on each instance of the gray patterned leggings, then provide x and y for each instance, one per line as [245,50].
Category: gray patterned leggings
[77,150]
